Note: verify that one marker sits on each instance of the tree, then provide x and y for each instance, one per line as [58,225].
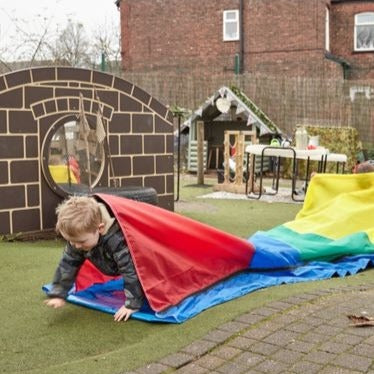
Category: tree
[42,41]
[106,44]
[26,44]
[72,46]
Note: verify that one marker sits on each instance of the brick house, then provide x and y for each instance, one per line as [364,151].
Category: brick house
[310,38]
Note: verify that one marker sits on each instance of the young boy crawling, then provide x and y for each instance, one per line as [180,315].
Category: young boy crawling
[91,233]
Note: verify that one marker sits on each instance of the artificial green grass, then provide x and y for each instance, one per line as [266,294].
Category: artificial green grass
[240,217]
[36,339]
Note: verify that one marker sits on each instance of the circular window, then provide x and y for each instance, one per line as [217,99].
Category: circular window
[73,157]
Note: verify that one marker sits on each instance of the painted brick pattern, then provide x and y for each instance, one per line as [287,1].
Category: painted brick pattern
[32,104]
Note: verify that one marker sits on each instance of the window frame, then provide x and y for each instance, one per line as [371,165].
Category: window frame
[327,29]
[355,47]
[56,187]
[226,38]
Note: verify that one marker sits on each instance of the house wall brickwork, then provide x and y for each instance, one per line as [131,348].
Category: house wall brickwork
[279,37]
[286,37]
[342,37]
[34,101]
[174,34]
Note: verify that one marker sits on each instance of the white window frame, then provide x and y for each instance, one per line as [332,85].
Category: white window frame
[366,90]
[227,38]
[327,30]
[355,31]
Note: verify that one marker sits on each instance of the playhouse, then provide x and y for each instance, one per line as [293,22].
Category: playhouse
[68,130]
[228,109]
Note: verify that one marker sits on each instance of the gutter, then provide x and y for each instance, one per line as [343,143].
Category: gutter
[351,1]
[346,65]
[241,36]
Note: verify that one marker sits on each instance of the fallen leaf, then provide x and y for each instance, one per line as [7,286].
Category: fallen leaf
[361,321]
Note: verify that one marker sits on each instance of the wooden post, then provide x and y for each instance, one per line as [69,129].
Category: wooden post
[239,158]
[200,152]
[239,144]
[226,157]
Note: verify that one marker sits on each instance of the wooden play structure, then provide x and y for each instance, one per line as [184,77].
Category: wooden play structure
[234,146]
[239,114]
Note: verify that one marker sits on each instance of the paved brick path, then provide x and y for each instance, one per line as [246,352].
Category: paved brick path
[308,333]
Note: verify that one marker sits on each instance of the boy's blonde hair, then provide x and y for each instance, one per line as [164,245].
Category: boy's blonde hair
[78,215]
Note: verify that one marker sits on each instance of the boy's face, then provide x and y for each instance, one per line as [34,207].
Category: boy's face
[86,241]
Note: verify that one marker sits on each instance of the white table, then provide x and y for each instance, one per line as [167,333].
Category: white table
[338,158]
[286,152]
[320,154]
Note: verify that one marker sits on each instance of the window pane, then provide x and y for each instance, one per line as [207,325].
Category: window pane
[365,37]
[230,16]
[231,25]
[365,18]
[75,159]
[231,30]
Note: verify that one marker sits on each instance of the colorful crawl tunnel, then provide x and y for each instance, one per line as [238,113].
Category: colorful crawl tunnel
[186,267]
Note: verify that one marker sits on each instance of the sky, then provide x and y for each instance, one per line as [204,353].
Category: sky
[27,16]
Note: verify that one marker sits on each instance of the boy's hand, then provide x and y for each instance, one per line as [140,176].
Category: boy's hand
[55,302]
[124,313]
